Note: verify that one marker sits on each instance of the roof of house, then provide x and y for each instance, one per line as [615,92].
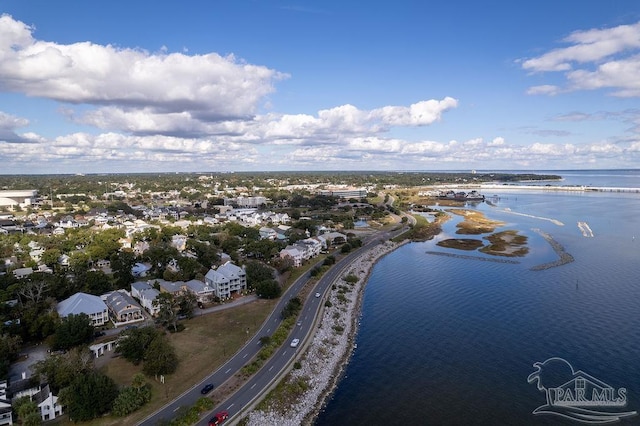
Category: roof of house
[141,286]
[231,271]
[169,286]
[81,303]
[197,286]
[120,301]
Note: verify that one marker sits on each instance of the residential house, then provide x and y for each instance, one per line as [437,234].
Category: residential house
[36,253]
[140,247]
[103,263]
[302,250]
[140,269]
[310,247]
[83,303]
[123,308]
[22,272]
[6,416]
[174,288]
[179,242]
[146,295]
[334,238]
[227,280]
[203,292]
[125,243]
[267,234]
[293,253]
[46,401]
[64,260]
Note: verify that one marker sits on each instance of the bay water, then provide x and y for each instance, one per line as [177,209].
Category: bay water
[451,340]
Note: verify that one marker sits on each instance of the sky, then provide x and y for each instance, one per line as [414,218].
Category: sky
[260,85]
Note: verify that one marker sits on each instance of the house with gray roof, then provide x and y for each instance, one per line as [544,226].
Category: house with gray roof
[204,293]
[172,287]
[227,280]
[144,292]
[123,308]
[83,303]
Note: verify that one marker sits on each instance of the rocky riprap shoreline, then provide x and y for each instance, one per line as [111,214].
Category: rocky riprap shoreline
[330,349]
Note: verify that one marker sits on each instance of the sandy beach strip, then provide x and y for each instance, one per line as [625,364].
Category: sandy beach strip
[329,351]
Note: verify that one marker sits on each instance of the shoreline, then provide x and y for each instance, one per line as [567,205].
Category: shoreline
[328,353]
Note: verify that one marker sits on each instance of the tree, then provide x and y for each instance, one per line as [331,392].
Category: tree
[28,411]
[292,308]
[257,272]
[9,350]
[187,302]
[60,370]
[168,310]
[97,282]
[105,244]
[132,397]
[160,357]
[189,268]
[89,396]
[50,257]
[74,330]
[133,343]
[121,264]
[33,291]
[268,289]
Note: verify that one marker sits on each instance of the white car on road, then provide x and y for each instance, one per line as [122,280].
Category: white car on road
[294,343]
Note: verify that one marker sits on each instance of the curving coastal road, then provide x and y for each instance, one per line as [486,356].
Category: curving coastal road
[277,365]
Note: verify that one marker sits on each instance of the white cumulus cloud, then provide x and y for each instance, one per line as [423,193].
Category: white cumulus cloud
[614,52]
[210,86]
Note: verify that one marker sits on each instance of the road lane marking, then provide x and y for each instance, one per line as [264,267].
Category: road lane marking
[271,368]
[227,372]
[245,355]
[253,386]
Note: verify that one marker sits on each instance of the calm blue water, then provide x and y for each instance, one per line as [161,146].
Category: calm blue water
[449,341]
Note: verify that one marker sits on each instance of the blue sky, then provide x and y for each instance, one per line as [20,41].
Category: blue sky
[236,85]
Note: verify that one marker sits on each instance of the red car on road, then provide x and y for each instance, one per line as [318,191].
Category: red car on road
[219,418]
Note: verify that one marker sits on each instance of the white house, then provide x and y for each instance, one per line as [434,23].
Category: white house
[83,303]
[46,401]
[267,234]
[146,294]
[294,253]
[179,242]
[6,416]
[227,280]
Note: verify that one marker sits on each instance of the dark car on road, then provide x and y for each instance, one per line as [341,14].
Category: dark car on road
[218,418]
[206,389]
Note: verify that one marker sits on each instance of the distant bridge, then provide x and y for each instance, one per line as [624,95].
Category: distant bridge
[562,188]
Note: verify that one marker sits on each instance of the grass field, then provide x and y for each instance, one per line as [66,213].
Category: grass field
[205,344]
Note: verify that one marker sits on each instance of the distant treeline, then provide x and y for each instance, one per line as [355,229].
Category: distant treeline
[98,184]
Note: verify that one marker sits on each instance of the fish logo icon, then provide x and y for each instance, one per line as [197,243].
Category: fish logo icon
[577,395]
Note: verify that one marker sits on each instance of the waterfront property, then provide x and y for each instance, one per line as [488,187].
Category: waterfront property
[227,280]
